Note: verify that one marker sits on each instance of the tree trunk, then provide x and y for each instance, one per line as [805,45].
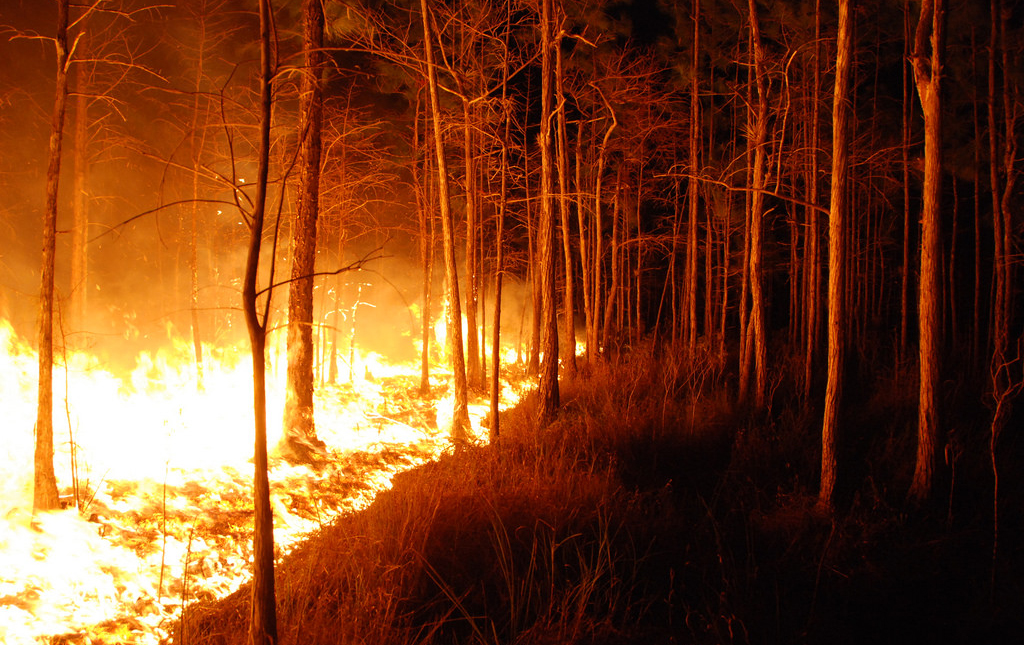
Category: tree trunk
[563,211]
[499,260]
[692,194]
[548,387]
[758,182]
[595,282]
[472,274]
[927,77]
[45,489]
[426,235]
[460,416]
[263,617]
[837,327]
[586,273]
[812,279]
[905,117]
[80,205]
[299,441]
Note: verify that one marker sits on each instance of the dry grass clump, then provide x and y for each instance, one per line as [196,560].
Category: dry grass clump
[533,540]
[652,510]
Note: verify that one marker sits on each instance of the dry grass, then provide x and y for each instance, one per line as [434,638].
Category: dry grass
[650,511]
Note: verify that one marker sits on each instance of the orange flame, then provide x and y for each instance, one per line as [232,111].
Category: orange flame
[163,514]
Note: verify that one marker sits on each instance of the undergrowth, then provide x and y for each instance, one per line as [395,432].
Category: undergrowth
[653,510]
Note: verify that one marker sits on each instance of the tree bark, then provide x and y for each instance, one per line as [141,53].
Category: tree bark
[548,387]
[473,353]
[563,210]
[80,205]
[299,441]
[595,282]
[45,486]
[927,78]
[692,194]
[426,235]
[837,257]
[460,416]
[263,616]
[812,279]
[758,182]
[499,261]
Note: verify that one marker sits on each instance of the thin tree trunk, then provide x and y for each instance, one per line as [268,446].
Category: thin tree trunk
[198,139]
[905,148]
[813,279]
[45,486]
[616,273]
[760,133]
[563,210]
[499,261]
[927,77]
[837,327]
[426,249]
[263,617]
[473,352]
[548,386]
[460,414]
[691,235]
[586,274]
[80,205]
[596,278]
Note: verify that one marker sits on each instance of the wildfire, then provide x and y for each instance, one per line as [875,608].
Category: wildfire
[155,474]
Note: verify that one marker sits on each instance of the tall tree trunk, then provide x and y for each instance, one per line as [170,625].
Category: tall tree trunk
[837,327]
[499,261]
[758,182]
[905,117]
[813,278]
[548,386]
[473,352]
[595,283]
[692,194]
[426,231]
[45,488]
[80,204]
[198,138]
[615,270]
[563,211]
[263,617]
[460,415]
[586,274]
[927,78]
[299,441]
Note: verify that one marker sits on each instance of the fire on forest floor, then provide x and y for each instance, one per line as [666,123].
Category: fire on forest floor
[159,508]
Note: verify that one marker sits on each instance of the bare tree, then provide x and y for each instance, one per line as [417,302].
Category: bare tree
[837,257]
[460,416]
[548,388]
[927,62]
[299,439]
[758,143]
[45,490]
[263,617]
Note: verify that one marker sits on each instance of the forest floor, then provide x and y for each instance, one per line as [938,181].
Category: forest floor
[655,510]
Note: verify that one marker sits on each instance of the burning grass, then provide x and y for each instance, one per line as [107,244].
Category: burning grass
[154,472]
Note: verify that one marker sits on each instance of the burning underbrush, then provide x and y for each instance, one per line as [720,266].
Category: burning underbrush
[155,476]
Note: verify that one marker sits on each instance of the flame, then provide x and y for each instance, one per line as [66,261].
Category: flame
[160,513]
